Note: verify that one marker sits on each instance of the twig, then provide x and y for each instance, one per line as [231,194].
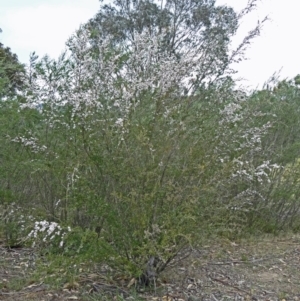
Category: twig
[214,297]
[238,261]
[230,285]
[13,293]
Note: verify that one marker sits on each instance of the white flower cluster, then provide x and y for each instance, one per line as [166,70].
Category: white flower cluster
[252,137]
[31,143]
[250,195]
[14,216]
[231,113]
[99,78]
[48,231]
[252,173]
[119,122]
[73,177]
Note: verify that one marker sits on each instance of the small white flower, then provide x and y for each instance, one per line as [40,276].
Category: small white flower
[119,121]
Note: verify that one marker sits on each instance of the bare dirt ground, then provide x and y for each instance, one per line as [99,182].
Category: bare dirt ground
[265,269]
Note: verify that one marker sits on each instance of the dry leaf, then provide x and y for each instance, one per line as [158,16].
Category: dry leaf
[72,285]
[32,285]
[131,282]
[93,276]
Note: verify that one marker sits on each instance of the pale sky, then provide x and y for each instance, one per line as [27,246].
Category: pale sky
[44,26]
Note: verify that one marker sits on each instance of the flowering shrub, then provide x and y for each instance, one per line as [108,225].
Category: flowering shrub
[48,235]
[14,223]
[141,149]
[137,159]
[53,238]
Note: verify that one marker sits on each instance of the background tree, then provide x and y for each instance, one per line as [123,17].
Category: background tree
[192,28]
[279,104]
[11,72]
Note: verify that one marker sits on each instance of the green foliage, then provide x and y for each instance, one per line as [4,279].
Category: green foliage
[83,243]
[15,224]
[11,72]
[280,106]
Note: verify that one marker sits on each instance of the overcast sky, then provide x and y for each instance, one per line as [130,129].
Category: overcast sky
[44,26]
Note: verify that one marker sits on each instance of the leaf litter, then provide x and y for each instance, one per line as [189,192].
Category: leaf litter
[267,268]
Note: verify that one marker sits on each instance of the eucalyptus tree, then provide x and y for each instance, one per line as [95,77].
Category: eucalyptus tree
[192,28]
[12,72]
[12,82]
